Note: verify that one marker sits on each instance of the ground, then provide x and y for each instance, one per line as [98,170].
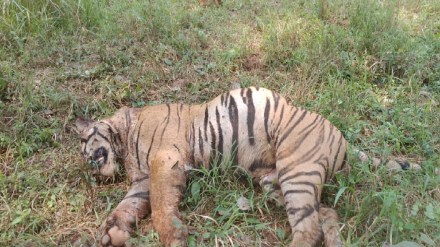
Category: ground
[371,67]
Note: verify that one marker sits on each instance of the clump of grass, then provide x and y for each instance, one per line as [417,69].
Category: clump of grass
[45,20]
[212,198]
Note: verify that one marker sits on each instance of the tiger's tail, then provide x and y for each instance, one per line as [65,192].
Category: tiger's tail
[391,164]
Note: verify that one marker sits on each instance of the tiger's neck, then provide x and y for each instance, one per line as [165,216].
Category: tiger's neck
[123,121]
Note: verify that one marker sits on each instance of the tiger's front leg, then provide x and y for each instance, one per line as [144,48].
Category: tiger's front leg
[118,227]
[168,181]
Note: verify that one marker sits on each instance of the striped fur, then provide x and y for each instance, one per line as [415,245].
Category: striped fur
[279,144]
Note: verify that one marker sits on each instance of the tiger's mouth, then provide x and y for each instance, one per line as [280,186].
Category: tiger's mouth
[97,164]
[99,159]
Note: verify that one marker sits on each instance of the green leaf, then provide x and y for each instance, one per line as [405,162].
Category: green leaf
[281,234]
[340,191]
[429,212]
[415,209]
[192,241]
[21,217]
[168,62]
[195,191]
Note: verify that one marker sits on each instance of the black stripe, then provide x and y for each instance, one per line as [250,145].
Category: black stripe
[293,211]
[345,161]
[193,142]
[201,143]
[323,166]
[206,123]
[137,144]
[167,118]
[286,153]
[337,155]
[268,182]
[220,133]
[151,144]
[178,118]
[310,125]
[330,135]
[103,137]
[114,136]
[250,117]
[242,95]
[331,142]
[222,99]
[260,164]
[276,98]
[109,127]
[213,151]
[227,96]
[289,131]
[297,192]
[117,142]
[90,136]
[85,141]
[266,118]
[140,195]
[306,183]
[307,212]
[300,140]
[298,174]
[233,118]
[309,154]
[280,119]
[140,179]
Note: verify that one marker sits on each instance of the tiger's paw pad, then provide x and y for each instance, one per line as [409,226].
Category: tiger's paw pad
[115,237]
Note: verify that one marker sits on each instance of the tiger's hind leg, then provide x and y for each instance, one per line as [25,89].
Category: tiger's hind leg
[328,218]
[301,186]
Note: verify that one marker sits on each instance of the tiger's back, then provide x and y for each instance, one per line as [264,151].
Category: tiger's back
[261,131]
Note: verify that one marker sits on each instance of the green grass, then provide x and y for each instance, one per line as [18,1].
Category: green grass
[371,67]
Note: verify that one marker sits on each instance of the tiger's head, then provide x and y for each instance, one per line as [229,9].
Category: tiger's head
[99,145]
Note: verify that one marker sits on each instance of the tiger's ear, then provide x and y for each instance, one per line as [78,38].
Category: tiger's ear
[81,124]
[110,126]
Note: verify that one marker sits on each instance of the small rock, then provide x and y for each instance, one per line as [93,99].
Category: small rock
[243,203]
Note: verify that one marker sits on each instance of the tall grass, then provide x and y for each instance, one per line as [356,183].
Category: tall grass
[45,20]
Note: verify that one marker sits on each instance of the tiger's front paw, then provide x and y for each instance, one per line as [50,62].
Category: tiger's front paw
[174,235]
[115,232]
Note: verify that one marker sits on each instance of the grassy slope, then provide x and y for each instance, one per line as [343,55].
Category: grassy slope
[371,67]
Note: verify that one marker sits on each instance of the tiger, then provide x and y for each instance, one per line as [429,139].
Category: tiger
[290,151]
